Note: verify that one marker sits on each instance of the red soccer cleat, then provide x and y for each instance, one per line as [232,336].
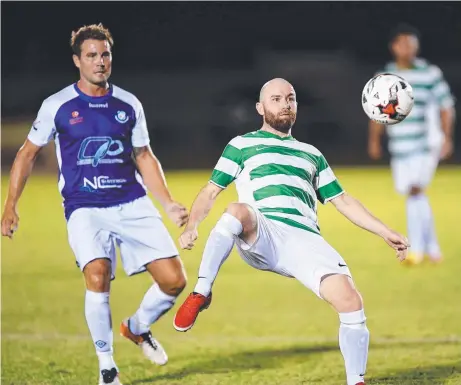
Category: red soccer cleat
[187,314]
[360,383]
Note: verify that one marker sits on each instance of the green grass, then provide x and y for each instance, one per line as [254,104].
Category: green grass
[261,328]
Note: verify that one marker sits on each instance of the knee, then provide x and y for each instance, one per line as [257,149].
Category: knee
[244,215]
[174,284]
[349,302]
[415,190]
[97,276]
[238,210]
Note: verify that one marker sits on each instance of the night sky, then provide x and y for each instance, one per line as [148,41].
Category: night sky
[177,35]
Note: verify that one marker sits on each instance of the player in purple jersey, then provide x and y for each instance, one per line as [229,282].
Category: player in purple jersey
[102,141]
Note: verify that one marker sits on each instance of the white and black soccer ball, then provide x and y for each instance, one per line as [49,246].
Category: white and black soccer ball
[387,98]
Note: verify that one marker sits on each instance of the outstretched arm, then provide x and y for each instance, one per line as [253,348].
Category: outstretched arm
[154,179]
[199,211]
[20,172]
[353,210]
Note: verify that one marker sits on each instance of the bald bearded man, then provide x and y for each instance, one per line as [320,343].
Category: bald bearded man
[274,224]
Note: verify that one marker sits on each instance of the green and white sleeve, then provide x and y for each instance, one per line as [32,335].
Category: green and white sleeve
[441,90]
[228,167]
[327,186]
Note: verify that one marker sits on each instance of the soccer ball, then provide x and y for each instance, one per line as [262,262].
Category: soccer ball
[387,98]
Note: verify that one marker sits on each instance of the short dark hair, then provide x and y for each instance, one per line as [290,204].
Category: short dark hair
[87,32]
[403,29]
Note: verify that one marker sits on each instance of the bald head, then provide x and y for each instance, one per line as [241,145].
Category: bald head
[277,86]
[277,105]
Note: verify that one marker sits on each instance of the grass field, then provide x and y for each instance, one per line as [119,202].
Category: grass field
[261,329]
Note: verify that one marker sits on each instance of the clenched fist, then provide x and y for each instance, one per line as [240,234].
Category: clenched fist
[10,221]
[187,238]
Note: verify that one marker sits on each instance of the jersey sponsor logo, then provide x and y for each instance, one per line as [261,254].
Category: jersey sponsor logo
[98,105]
[101,182]
[96,150]
[75,118]
[121,117]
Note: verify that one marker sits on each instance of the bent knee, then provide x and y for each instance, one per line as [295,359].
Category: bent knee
[97,275]
[415,190]
[239,210]
[349,302]
[174,284]
[245,215]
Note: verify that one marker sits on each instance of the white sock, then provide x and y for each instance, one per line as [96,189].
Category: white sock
[430,236]
[98,318]
[154,304]
[217,249]
[354,338]
[415,222]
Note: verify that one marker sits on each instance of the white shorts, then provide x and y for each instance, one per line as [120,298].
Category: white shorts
[292,252]
[136,227]
[415,170]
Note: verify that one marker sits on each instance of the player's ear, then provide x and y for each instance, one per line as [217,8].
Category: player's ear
[259,108]
[76,60]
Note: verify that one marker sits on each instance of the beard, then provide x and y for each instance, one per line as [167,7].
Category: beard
[282,123]
[100,82]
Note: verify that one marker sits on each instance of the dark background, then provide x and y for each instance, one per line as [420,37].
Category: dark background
[197,67]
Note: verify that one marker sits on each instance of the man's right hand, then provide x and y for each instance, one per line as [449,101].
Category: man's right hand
[10,220]
[398,242]
[375,151]
[187,238]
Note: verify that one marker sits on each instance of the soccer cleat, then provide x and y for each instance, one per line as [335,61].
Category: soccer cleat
[360,383]
[188,312]
[150,347]
[413,259]
[109,377]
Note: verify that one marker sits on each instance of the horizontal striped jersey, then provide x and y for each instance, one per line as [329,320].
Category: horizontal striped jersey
[281,177]
[411,136]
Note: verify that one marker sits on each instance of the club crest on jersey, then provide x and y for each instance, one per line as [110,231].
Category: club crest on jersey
[121,117]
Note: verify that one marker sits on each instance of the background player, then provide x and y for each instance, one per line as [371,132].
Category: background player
[101,139]
[417,143]
[274,224]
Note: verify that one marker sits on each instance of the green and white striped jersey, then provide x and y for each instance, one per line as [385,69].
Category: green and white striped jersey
[429,88]
[281,177]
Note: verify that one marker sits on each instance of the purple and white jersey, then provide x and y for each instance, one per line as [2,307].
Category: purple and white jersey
[94,139]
